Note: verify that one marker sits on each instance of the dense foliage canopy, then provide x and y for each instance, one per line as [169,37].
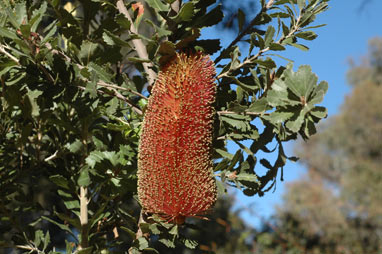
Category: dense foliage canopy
[75,77]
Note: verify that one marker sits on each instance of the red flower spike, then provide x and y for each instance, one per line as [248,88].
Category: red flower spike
[175,170]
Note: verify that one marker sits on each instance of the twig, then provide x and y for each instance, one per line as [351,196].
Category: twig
[262,51]
[120,97]
[139,46]
[53,156]
[139,233]
[246,30]
[9,55]
[225,112]
[104,84]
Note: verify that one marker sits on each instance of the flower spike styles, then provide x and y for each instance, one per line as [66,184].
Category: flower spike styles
[175,170]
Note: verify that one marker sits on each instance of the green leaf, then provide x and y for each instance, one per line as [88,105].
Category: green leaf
[87,50]
[33,95]
[302,82]
[295,124]
[276,46]
[278,117]
[307,35]
[299,46]
[84,178]
[319,112]
[72,204]
[267,63]
[62,226]
[191,244]
[247,177]
[186,13]
[241,19]
[37,16]
[112,40]
[75,146]
[123,21]
[7,33]
[269,36]
[301,4]
[93,158]
[240,122]
[168,243]
[158,5]
[211,18]
[209,46]
[258,106]
[142,243]
[46,241]
[88,250]
[60,181]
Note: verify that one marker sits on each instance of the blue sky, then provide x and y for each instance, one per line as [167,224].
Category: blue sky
[346,36]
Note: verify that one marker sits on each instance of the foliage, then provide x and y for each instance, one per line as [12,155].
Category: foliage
[337,207]
[73,78]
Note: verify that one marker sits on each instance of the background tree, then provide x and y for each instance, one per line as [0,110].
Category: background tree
[337,207]
[74,85]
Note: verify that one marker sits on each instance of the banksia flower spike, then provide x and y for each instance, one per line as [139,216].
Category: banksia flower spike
[175,171]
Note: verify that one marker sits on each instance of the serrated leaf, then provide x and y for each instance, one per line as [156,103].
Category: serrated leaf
[158,5]
[75,146]
[247,177]
[211,18]
[258,106]
[295,124]
[84,178]
[185,13]
[302,82]
[278,117]
[62,226]
[72,204]
[123,21]
[93,158]
[88,250]
[191,244]
[142,243]
[60,181]
[7,33]
[209,46]
[319,112]
[87,50]
[168,243]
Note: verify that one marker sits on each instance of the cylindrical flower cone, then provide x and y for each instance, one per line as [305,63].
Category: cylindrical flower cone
[175,170]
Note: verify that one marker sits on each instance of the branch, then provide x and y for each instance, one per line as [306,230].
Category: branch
[139,233]
[2,50]
[139,46]
[84,219]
